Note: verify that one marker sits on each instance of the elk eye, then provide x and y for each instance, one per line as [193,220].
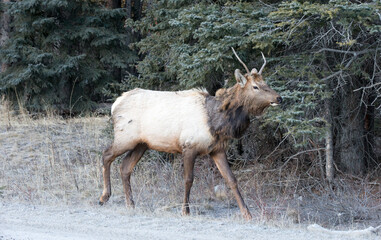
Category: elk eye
[255,87]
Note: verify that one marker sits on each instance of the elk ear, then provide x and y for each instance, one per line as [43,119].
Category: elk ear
[254,71]
[240,78]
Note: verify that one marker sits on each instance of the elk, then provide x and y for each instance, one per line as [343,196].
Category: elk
[190,122]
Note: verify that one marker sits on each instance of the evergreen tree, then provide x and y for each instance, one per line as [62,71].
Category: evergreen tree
[323,58]
[4,28]
[334,48]
[61,53]
[188,44]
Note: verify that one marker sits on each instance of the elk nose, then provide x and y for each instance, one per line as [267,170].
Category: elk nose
[279,99]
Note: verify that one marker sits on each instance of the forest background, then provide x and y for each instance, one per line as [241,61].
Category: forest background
[72,56]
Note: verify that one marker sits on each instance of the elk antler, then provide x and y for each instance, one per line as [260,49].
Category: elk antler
[264,64]
[244,65]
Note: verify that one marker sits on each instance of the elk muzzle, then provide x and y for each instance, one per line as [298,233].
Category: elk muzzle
[279,100]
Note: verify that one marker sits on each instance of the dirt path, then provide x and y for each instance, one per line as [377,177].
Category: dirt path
[19,221]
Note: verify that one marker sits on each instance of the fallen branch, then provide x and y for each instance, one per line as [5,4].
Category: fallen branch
[370,231]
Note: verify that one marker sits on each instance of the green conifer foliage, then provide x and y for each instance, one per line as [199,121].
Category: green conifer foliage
[60,53]
[190,46]
[333,49]
[188,43]
[323,58]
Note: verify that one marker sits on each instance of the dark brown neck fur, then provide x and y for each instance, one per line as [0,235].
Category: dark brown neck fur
[228,113]
[226,122]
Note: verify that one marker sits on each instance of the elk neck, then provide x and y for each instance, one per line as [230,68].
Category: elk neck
[226,120]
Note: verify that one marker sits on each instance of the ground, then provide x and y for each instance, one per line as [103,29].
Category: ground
[19,221]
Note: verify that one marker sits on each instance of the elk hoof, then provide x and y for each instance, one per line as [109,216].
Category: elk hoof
[186,211]
[103,199]
[130,204]
[248,216]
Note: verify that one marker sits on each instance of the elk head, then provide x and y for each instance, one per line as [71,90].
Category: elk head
[256,94]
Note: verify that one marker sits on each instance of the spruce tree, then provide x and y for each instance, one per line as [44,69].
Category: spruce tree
[334,48]
[323,58]
[61,53]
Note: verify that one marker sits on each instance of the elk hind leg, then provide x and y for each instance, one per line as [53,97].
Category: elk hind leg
[108,157]
[126,169]
[189,160]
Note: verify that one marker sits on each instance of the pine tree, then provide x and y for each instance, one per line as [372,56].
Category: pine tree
[61,53]
[4,28]
[336,46]
[323,58]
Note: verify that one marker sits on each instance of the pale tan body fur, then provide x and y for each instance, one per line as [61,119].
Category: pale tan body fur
[155,125]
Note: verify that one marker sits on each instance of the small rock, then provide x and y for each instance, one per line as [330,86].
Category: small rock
[220,192]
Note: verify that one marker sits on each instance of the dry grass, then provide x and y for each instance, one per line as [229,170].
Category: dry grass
[50,160]
[53,161]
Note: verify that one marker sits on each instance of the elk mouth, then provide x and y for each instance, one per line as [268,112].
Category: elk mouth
[278,101]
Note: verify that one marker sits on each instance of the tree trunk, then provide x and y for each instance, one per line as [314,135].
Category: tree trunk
[128,8]
[4,31]
[329,105]
[370,133]
[351,136]
[330,171]
[136,15]
[137,10]
[112,4]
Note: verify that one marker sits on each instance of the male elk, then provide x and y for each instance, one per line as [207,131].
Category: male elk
[190,122]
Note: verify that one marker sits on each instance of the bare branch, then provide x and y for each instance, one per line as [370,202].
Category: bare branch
[293,156]
[332,75]
[371,86]
[345,67]
[343,51]
[375,73]
[244,65]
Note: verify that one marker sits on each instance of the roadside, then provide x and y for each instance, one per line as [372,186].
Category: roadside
[20,221]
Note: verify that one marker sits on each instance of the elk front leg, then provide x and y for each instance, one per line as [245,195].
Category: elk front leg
[223,166]
[189,160]
[127,167]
